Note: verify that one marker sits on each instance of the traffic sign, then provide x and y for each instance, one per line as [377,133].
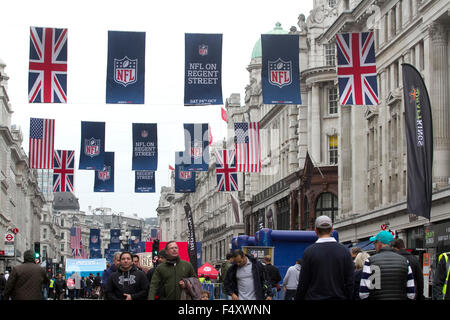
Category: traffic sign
[9,237]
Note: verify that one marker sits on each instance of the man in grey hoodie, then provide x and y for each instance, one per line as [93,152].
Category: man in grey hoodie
[290,282]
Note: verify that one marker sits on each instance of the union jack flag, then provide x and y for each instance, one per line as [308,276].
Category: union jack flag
[226,171]
[356,69]
[63,170]
[47,77]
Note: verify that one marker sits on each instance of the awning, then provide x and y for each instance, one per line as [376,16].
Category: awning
[365,245]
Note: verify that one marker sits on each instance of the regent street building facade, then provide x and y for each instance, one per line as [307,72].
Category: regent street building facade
[359,153]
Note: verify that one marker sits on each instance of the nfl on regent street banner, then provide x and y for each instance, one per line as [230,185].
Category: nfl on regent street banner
[92,145]
[196,144]
[145,146]
[104,179]
[184,179]
[419,142]
[114,241]
[125,81]
[144,181]
[95,244]
[203,69]
[280,74]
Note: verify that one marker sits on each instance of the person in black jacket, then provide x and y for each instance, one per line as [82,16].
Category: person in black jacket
[273,274]
[399,247]
[327,267]
[127,283]
[247,279]
[441,272]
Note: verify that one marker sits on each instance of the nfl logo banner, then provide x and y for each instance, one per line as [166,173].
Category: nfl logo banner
[104,179]
[47,76]
[145,146]
[144,181]
[114,241]
[95,244]
[184,179]
[92,145]
[196,142]
[125,81]
[280,74]
[203,69]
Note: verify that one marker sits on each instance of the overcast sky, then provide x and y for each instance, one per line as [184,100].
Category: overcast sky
[165,23]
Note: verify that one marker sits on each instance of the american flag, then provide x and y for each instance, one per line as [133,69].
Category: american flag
[47,77]
[75,238]
[356,69]
[42,138]
[248,146]
[63,170]
[226,171]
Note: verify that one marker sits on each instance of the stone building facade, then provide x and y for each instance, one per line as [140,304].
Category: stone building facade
[21,201]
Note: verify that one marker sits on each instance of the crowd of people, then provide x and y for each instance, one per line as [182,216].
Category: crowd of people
[326,271]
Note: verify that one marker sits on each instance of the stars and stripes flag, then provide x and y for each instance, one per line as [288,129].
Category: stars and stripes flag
[75,238]
[248,146]
[41,144]
[356,68]
[226,171]
[63,170]
[47,77]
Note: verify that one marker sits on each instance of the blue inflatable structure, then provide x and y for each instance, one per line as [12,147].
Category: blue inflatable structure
[289,245]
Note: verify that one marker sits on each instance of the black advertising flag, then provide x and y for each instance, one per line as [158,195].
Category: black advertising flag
[192,245]
[419,142]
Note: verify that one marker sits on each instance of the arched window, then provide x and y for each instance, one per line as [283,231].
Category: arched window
[327,205]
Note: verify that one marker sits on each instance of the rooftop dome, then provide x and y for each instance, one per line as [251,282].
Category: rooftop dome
[65,201]
[257,51]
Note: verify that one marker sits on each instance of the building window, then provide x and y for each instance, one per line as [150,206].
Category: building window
[306,214]
[62,235]
[333,149]
[330,54]
[283,214]
[62,247]
[44,233]
[331,3]
[327,205]
[332,100]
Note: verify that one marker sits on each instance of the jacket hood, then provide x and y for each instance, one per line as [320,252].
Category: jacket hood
[297,266]
[132,269]
[28,256]
[173,261]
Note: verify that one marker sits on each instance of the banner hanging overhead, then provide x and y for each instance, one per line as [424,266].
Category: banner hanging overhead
[203,69]
[144,181]
[125,81]
[114,242]
[95,244]
[63,170]
[47,76]
[184,179]
[419,142]
[356,68]
[92,145]
[280,74]
[145,146]
[196,142]
[104,179]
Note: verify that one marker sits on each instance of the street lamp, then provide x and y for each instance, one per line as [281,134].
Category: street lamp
[125,240]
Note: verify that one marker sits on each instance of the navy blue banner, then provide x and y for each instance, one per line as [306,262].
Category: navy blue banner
[196,144]
[114,242]
[125,81]
[92,145]
[134,244]
[145,146]
[95,244]
[144,181]
[280,73]
[203,69]
[184,179]
[104,179]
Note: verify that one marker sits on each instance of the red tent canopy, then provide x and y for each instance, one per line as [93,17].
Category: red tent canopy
[208,270]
